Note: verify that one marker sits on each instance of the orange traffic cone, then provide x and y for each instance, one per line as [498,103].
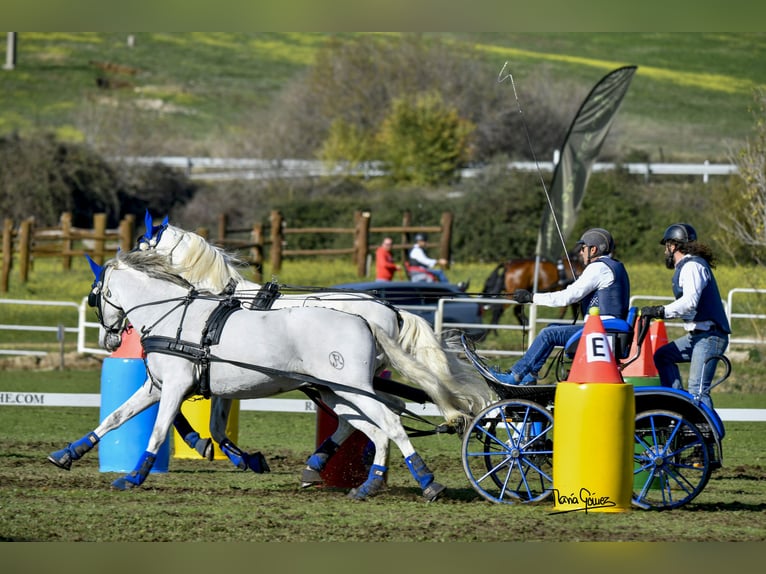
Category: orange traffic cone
[644,365]
[594,361]
[658,335]
[130,348]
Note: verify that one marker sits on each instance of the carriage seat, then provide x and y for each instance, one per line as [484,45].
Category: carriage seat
[419,273]
[619,332]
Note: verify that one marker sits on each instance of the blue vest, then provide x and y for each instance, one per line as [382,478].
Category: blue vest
[710,306]
[613,300]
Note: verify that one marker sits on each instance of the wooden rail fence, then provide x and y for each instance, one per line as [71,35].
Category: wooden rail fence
[26,242]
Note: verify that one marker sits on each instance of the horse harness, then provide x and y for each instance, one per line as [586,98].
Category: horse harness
[199,353]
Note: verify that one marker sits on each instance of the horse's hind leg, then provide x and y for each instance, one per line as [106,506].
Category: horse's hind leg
[316,463]
[138,402]
[376,420]
[219,417]
[204,447]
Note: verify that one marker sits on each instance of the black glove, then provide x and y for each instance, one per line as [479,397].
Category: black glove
[656,312]
[522,296]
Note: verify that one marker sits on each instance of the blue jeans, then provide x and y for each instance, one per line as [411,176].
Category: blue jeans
[439,275]
[693,348]
[550,337]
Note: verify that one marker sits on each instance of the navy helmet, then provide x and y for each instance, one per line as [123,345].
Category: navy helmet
[680,233]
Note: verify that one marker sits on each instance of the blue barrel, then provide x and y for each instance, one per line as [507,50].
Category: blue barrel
[120,449]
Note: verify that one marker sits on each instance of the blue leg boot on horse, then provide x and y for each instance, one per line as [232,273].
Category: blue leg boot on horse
[191,437]
[137,476]
[376,481]
[431,489]
[74,450]
[316,463]
[243,460]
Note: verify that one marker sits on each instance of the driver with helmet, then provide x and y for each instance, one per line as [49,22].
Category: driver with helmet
[604,284]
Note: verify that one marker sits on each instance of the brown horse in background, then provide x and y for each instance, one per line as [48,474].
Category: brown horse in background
[520,274]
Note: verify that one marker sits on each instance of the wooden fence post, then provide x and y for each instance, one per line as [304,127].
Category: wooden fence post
[361,241]
[66,240]
[406,222]
[256,251]
[127,232]
[445,241]
[99,237]
[25,248]
[7,254]
[276,241]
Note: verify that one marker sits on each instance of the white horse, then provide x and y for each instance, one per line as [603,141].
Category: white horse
[245,355]
[453,385]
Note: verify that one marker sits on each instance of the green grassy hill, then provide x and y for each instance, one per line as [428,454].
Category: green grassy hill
[203,93]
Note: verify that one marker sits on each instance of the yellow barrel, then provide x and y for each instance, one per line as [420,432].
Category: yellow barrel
[593,447]
[197,412]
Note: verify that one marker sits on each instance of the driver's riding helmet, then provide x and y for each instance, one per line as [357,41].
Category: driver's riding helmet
[599,238]
[680,233]
[421,237]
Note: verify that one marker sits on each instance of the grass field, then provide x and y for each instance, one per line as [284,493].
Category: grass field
[40,502]
[203,91]
[43,503]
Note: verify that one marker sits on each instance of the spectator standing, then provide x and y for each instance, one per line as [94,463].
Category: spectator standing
[385,266]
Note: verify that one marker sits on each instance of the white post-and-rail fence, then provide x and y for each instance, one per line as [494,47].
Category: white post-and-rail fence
[295,405]
[439,324]
[224,169]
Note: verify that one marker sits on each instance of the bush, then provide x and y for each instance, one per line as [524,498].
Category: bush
[355,81]
[423,141]
[42,178]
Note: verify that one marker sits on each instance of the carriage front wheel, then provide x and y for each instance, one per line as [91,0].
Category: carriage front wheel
[671,460]
[508,452]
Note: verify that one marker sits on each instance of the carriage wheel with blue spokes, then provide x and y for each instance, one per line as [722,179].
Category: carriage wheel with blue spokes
[508,452]
[671,460]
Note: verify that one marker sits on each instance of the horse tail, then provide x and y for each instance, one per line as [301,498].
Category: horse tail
[418,373]
[495,281]
[456,379]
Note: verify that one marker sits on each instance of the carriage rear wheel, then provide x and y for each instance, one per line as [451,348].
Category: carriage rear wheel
[508,452]
[671,460]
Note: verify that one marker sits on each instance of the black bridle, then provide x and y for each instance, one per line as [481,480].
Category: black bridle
[96,298]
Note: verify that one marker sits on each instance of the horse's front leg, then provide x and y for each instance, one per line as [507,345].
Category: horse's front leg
[170,403]
[219,418]
[143,398]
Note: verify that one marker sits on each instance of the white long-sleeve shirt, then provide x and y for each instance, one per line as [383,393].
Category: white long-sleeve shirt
[597,275]
[418,254]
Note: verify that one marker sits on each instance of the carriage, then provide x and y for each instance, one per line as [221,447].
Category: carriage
[507,449]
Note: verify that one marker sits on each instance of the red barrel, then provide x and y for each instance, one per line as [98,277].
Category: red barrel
[349,466]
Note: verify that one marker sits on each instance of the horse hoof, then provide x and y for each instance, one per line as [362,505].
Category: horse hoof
[356,494]
[310,477]
[122,484]
[257,463]
[204,448]
[61,458]
[433,491]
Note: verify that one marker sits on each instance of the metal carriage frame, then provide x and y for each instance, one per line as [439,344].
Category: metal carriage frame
[507,449]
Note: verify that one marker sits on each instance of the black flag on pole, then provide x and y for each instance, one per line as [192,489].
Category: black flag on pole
[581,147]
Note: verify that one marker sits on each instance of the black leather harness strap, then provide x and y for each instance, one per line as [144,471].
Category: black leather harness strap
[199,353]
